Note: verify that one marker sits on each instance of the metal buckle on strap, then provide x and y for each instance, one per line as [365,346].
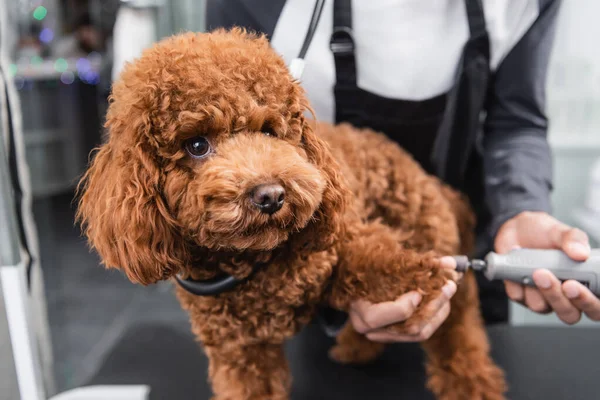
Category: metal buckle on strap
[342,42]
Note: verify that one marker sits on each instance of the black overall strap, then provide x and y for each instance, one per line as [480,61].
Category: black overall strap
[459,128]
[342,38]
[457,131]
[476,18]
[342,42]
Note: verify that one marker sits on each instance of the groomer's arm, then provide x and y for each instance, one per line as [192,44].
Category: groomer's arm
[518,168]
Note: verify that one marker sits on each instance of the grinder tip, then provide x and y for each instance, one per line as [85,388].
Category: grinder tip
[462,263]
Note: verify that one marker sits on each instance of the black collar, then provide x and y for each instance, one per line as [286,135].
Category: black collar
[210,287]
[217,285]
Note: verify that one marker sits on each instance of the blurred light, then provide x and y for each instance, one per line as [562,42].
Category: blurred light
[67,77]
[90,77]
[46,35]
[12,69]
[40,13]
[83,65]
[61,65]
[36,60]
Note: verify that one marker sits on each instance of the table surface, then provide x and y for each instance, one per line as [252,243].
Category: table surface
[540,362]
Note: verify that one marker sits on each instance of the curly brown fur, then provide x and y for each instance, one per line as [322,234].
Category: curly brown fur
[360,220]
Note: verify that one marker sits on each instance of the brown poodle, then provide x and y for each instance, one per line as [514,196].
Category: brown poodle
[212,166]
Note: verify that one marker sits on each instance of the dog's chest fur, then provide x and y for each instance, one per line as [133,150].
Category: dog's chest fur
[273,304]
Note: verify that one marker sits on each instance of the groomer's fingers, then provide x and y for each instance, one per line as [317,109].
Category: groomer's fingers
[535,301]
[449,263]
[385,336]
[435,313]
[367,317]
[583,299]
[551,290]
[435,323]
[436,304]
[515,291]
[574,242]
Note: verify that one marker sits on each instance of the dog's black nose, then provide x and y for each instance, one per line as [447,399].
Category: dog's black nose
[268,198]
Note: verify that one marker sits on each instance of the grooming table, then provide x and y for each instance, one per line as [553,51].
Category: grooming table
[541,363]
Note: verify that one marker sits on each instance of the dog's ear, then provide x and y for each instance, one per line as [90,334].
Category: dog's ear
[122,211]
[327,225]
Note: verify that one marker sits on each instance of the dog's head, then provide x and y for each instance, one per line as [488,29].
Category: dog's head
[208,147]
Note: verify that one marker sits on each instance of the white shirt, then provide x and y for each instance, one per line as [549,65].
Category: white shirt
[405,49]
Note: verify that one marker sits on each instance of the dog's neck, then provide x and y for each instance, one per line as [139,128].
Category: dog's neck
[216,272]
[240,264]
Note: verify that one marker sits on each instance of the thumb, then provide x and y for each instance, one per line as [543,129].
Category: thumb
[574,242]
[507,238]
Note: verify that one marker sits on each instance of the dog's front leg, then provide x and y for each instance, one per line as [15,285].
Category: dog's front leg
[248,372]
[374,265]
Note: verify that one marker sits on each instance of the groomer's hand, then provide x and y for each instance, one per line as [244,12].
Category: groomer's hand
[538,230]
[373,319]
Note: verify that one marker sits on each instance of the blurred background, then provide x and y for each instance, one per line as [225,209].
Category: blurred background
[62,62]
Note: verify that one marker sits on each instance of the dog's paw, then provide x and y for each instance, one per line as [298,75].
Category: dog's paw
[363,354]
[429,275]
[487,384]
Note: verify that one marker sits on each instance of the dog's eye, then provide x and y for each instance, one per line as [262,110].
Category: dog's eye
[267,129]
[197,147]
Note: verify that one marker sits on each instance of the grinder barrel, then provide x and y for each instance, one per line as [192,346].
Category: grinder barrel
[519,265]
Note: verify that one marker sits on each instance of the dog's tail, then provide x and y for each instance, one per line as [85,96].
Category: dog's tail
[465,219]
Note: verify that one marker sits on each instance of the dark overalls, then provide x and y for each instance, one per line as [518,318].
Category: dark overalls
[442,133]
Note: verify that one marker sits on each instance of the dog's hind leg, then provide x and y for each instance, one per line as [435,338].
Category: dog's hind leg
[248,372]
[459,365]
